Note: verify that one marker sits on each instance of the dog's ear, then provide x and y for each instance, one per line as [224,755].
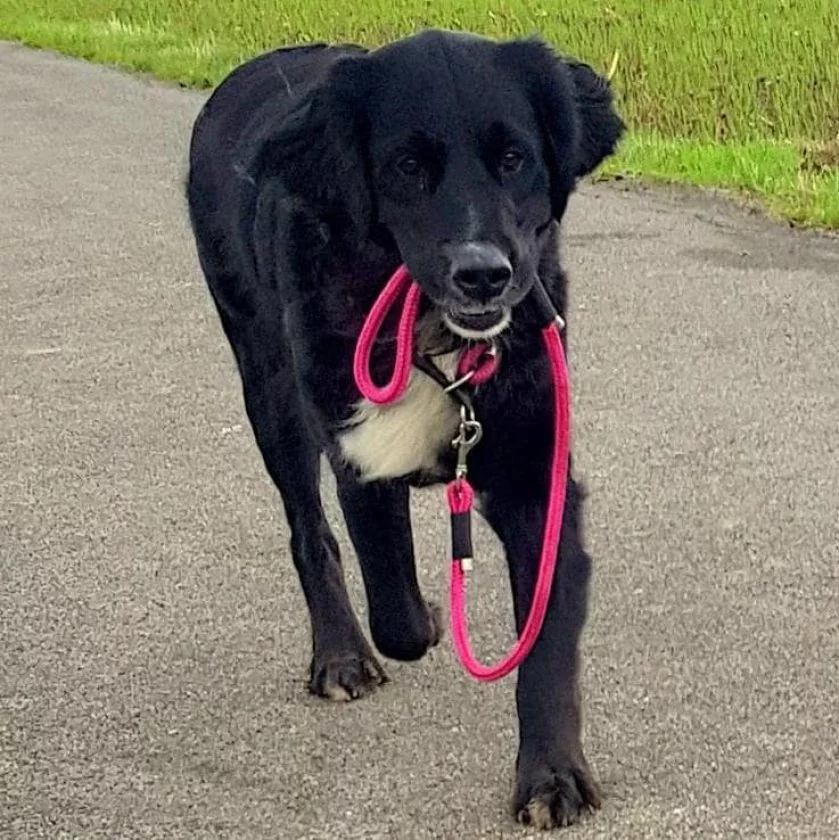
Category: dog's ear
[316,151]
[601,127]
[575,108]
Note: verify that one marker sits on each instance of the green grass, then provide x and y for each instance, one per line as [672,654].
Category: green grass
[783,178]
[738,94]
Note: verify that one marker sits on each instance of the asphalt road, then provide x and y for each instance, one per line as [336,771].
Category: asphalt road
[153,639]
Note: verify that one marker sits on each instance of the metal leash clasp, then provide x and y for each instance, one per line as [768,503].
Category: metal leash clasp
[468,436]
[459,491]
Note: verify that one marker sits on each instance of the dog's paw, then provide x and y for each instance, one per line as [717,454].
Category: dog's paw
[407,636]
[556,796]
[345,676]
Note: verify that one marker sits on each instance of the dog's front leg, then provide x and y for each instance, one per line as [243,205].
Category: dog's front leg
[554,785]
[403,625]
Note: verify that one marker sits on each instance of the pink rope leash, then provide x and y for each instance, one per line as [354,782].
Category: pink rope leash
[476,360]
[394,389]
[461,500]
[459,492]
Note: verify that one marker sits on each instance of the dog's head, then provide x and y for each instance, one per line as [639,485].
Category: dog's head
[459,150]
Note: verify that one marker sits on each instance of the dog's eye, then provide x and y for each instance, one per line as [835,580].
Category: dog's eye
[408,165]
[511,161]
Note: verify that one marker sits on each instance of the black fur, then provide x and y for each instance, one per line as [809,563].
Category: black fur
[314,172]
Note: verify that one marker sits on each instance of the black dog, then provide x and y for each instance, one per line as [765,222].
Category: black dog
[315,172]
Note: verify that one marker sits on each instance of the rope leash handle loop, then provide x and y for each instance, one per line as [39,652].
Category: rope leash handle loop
[550,543]
[395,388]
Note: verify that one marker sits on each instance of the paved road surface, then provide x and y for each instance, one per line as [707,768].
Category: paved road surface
[153,641]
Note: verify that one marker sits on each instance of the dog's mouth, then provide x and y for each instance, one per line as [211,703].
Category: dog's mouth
[477,325]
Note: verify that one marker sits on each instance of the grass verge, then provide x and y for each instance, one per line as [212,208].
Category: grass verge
[741,96]
[790,183]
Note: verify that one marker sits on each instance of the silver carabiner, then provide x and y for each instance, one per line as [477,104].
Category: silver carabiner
[469,434]
[459,382]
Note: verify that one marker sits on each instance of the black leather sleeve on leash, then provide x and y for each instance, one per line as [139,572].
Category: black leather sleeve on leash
[545,309]
[461,535]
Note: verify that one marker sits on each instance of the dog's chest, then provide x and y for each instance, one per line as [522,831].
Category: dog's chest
[410,435]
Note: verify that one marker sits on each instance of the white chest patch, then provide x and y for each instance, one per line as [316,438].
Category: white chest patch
[407,436]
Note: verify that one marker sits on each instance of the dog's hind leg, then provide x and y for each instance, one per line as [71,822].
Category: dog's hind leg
[378,519]
[343,665]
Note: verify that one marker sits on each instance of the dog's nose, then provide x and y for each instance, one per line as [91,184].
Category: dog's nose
[479,270]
